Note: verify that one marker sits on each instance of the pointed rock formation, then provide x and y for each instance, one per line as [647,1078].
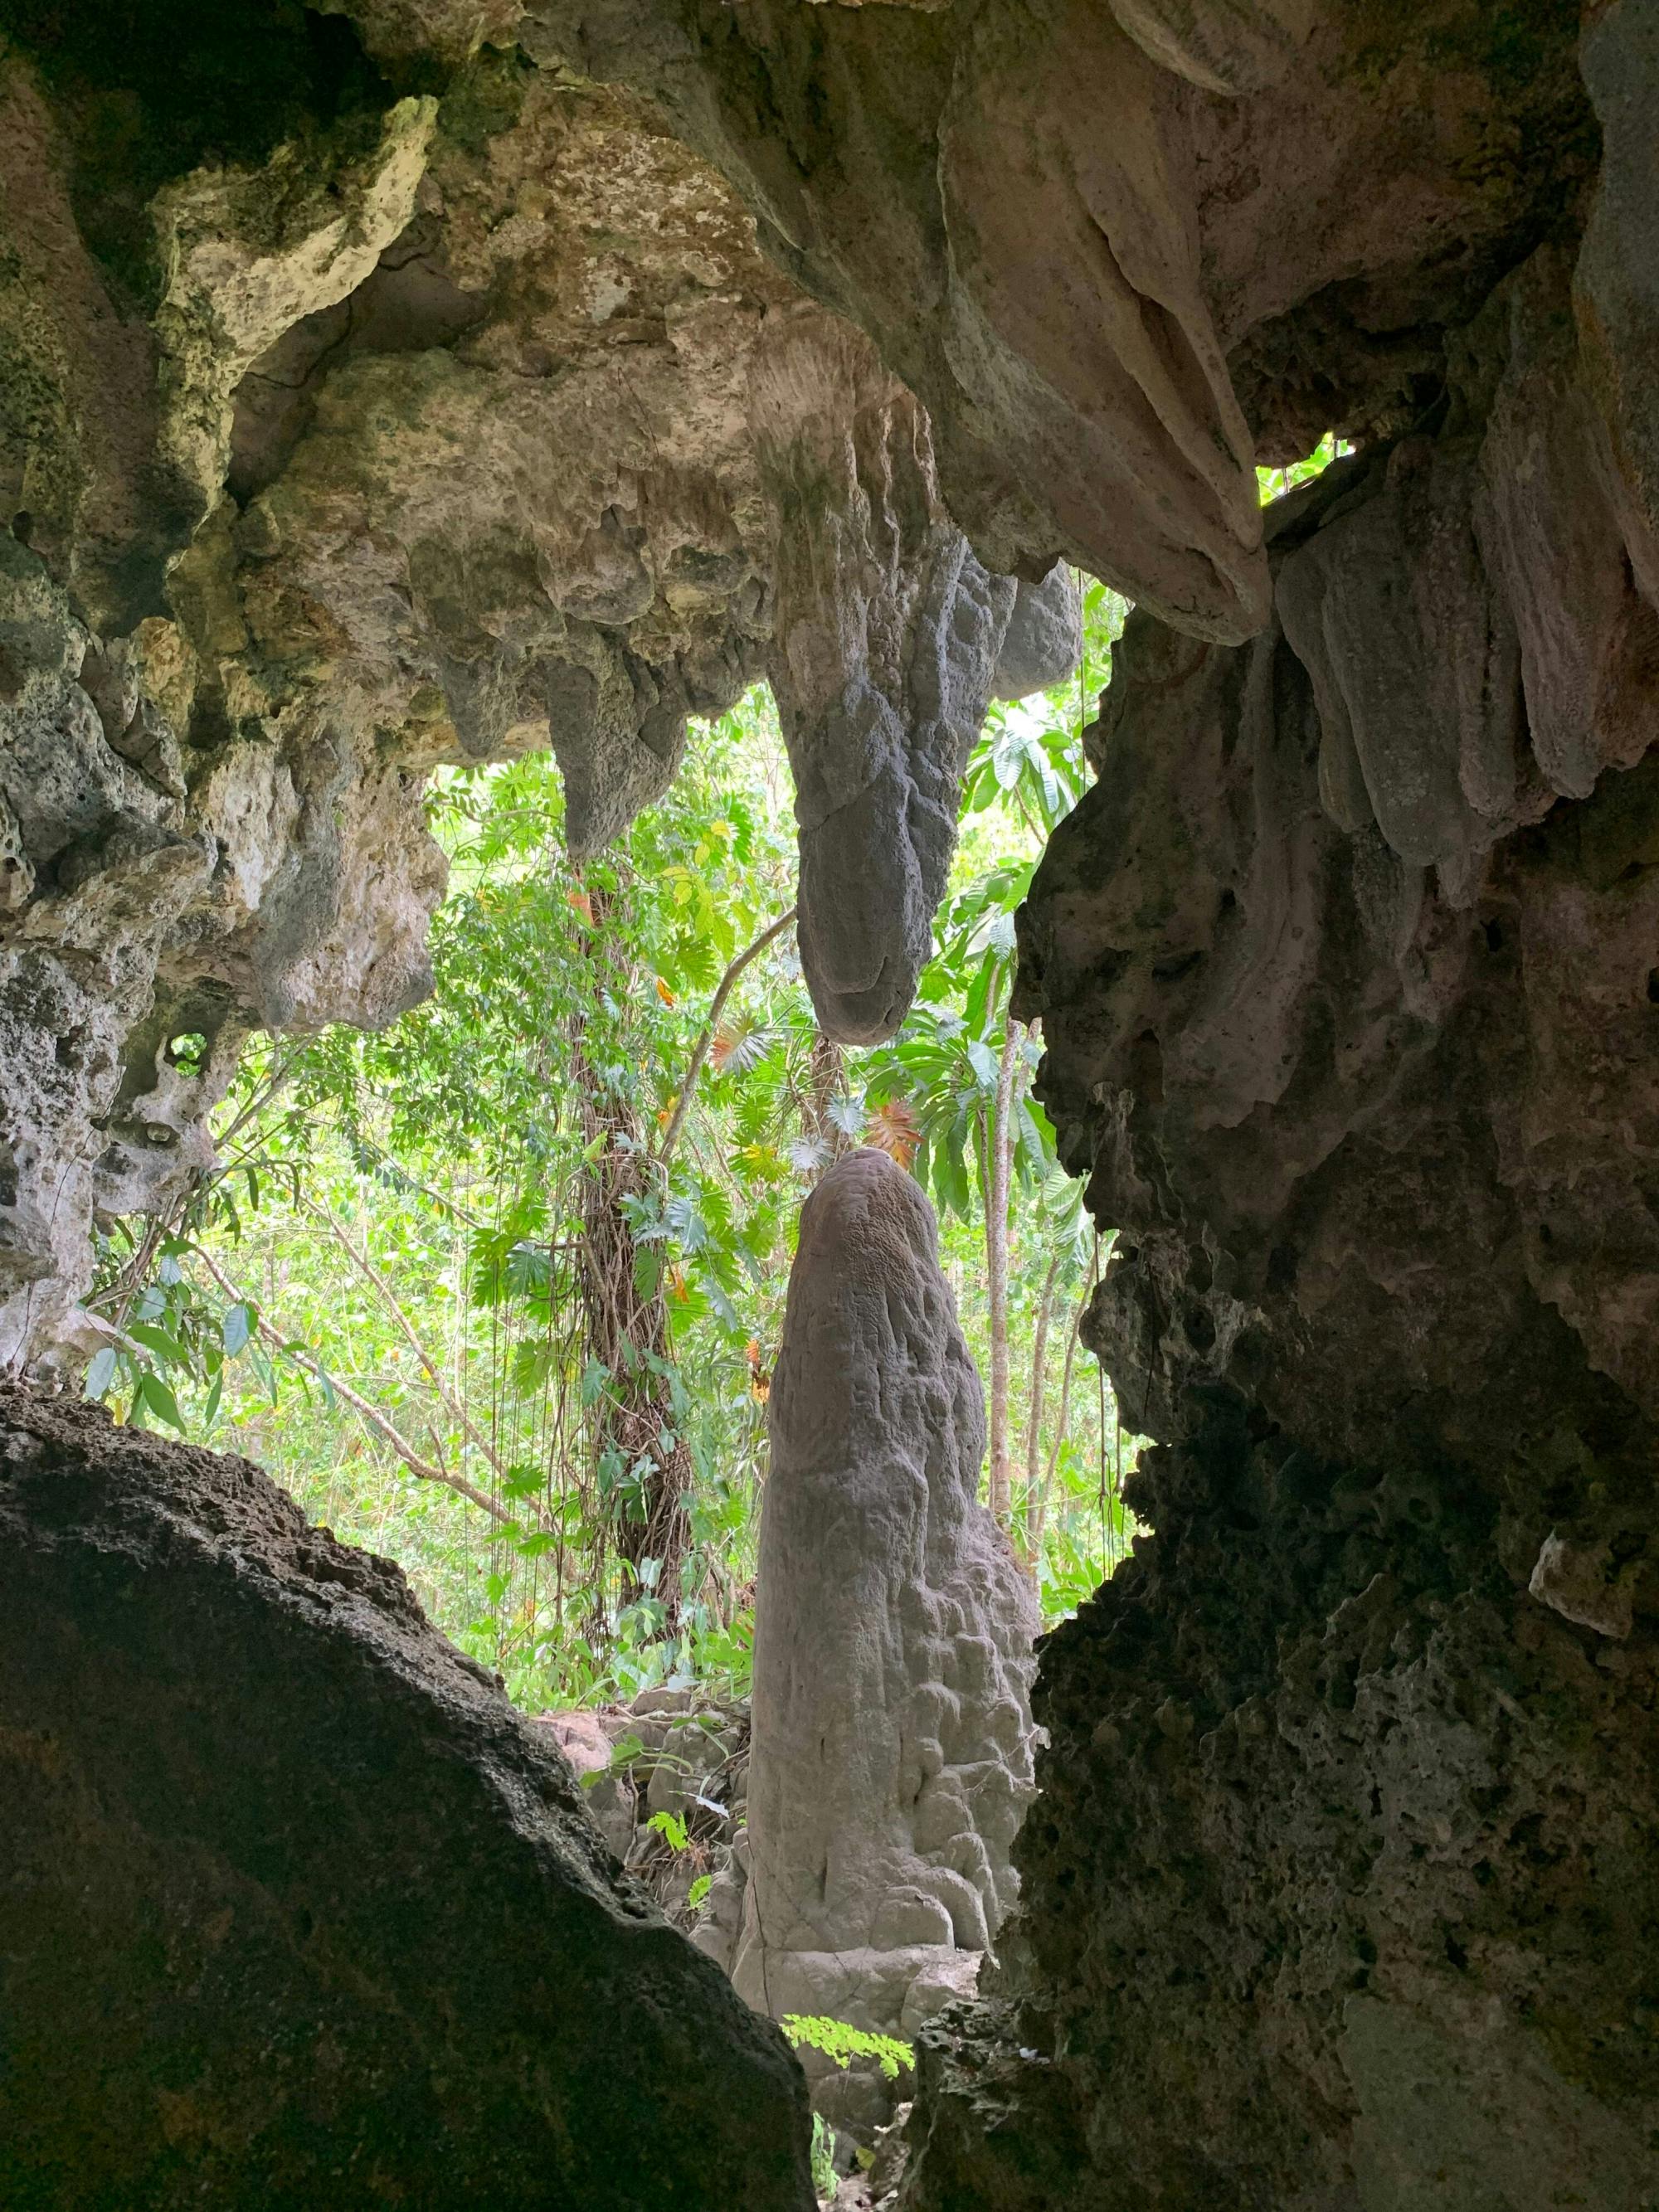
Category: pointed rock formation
[891,1756]
[886,633]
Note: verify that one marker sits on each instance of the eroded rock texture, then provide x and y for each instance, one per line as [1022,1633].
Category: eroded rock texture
[891,1754]
[300,1912]
[1341,1889]
[886,638]
[344,433]
[373,395]
[1107,326]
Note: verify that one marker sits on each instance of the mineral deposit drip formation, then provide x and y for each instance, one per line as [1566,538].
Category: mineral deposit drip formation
[422,381]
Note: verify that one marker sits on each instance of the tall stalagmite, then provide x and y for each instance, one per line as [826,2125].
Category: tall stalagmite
[890,1758]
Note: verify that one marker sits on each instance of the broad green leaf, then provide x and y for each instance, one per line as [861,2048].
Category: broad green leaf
[157,1398]
[165,1347]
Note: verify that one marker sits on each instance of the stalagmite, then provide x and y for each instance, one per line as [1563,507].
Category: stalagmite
[890,1759]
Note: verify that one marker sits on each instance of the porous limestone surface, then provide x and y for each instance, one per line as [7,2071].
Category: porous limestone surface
[298,1910]
[345,431]
[1109,327]
[1337,1895]
[890,1759]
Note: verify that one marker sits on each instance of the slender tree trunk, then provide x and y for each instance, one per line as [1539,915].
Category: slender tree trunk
[996,1264]
[825,1079]
[626,1332]
[639,1445]
[699,1050]
[1034,1429]
[1036,1513]
[626,1328]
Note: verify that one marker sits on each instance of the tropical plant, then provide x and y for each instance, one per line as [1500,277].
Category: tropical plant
[842,2043]
[498,1290]
[824,2178]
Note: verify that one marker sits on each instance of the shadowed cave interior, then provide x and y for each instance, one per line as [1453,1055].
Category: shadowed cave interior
[398,387]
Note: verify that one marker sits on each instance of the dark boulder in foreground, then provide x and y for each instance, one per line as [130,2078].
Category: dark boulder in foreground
[298,1911]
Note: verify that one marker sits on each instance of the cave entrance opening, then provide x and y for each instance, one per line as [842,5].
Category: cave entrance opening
[496,1290]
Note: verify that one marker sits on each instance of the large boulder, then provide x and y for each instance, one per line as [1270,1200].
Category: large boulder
[298,1910]
[890,1761]
[665,1777]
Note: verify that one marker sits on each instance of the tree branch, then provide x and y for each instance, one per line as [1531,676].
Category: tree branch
[700,1051]
[376,1419]
[999,1147]
[1039,1380]
[361,1261]
[1037,1515]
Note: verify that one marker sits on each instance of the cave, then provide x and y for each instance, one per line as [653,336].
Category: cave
[387,385]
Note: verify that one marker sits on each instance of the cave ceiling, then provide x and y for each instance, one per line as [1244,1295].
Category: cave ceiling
[389,385]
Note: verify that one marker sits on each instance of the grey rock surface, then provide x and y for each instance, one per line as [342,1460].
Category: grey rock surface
[890,1763]
[168,908]
[300,1912]
[683,1755]
[420,431]
[885,636]
[1346,970]
[1044,642]
[1109,330]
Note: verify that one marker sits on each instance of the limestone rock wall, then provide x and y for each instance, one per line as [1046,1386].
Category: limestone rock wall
[1338,1894]
[891,1754]
[1296,200]
[159,900]
[300,1912]
[1339,1890]
[348,428]
[1394,1006]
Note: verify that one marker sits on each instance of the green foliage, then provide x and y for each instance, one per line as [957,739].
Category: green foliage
[381,1293]
[671,1829]
[1274,484]
[173,1333]
[842,2043]
[824,2181]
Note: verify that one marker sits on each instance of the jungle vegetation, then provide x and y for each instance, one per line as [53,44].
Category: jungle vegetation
[496,1292]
